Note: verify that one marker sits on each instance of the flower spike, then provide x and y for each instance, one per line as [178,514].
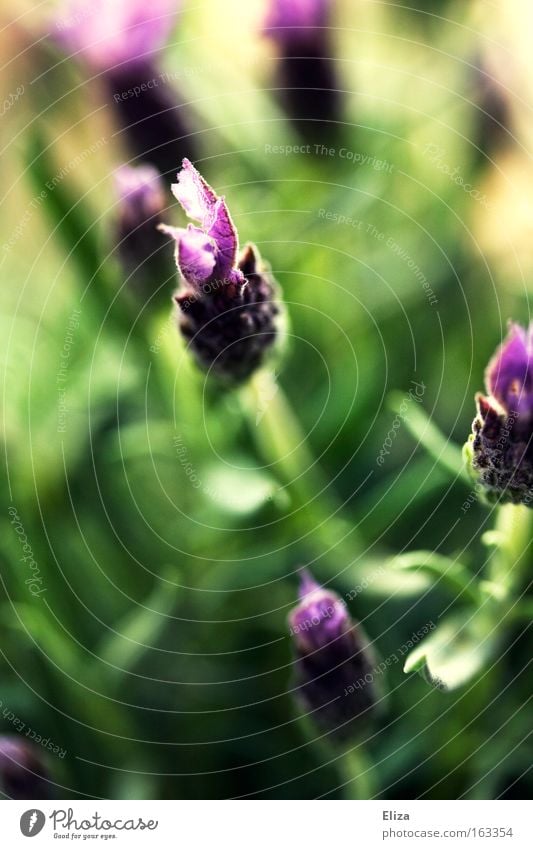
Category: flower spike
[227,300]
[500,448]
[333,668]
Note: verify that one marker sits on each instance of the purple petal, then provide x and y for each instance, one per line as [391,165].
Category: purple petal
[509,375]
[196,256]
[320,618]
[307,584]
[195,253]
[224,234]
[107,33]
[195,195]
[174,233]
[202,204]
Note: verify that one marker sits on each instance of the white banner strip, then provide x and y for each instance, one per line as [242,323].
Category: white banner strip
[262,824]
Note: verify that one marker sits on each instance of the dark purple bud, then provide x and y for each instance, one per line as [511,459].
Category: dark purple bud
[120,40]
[306,77]
[227,302]
[509,375]
[22,771]
[334,668]
[500,448]
[141,200]
[141,197]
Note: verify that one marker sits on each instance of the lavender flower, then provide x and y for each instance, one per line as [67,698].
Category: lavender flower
[22,772]
[500,448]
[141,196]
[141,201]
[120,41]
[333,666]
[227,300]
[306,76]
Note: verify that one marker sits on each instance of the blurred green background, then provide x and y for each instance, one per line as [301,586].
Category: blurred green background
[158,656]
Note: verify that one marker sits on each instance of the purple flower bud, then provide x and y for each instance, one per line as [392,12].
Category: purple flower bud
[333,666]
[306,78]
[121,40]
[228,299]
[500,448]
[22,772]
[509,375]
[141,201]
[141,195]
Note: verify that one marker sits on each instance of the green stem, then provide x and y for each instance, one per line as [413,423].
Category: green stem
[285,448]
[512,540]
[358,774]
[450,572]
[510,561]
[354,768]
[448,455]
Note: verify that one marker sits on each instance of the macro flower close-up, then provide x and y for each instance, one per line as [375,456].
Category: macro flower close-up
[227,301]
[267,421]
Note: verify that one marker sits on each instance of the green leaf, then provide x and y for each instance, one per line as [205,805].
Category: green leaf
[138,631]
[40,629]
[75,224]
[73,221]
[74,672]
[381,579]
[455,653]
[451,572]
[383,503]
[448,455]
[241,491]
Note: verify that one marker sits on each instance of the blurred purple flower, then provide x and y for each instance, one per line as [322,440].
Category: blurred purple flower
[306,77]
[500,448]
[120,40]
[296,20]
[110,33]
[141,200]
[22,771]
[333,666]
[320,617]
[141,194]
[227,301]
